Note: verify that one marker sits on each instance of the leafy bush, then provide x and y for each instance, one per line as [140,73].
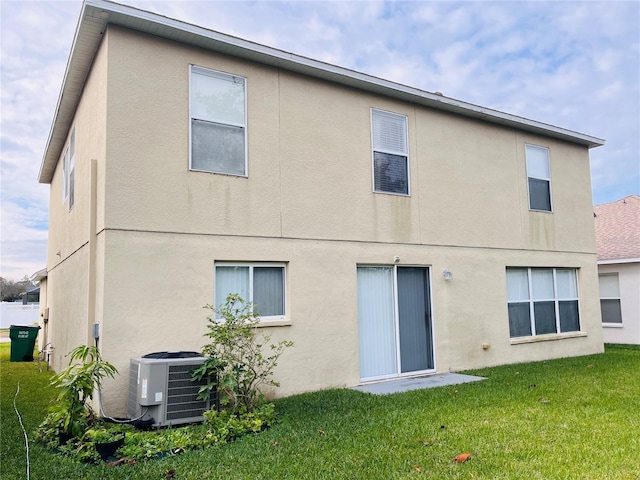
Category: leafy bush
[218,428]
[235,359]
[71,415]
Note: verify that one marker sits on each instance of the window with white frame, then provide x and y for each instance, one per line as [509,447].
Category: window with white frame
[610,298]
[72,169]
[260,283]
[65,174]
[542,301]
[390,152]
[218,125]
[538,177]
[69,170]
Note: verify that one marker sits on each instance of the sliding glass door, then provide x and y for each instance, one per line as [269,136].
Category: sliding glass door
[394,321]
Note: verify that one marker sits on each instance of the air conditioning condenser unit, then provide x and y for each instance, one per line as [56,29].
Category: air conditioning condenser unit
[161,387]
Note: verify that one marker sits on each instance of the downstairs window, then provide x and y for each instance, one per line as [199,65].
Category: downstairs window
[542,301]
[260,283]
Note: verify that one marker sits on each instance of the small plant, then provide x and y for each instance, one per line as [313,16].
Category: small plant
[71,415]
[102,435]
[234,359]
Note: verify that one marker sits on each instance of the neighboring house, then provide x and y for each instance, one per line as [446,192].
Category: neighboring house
[618,242]
[386,230]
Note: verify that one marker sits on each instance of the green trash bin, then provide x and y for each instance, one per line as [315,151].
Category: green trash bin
[23,341]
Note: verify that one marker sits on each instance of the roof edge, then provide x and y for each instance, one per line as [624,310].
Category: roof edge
[618,260]
[103,12]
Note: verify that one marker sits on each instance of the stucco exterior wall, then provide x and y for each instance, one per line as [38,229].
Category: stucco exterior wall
[69,229]
[157,305]
[309,156]
[67,327]
[629,281]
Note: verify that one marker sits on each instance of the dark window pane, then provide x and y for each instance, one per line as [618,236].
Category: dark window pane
[545,317]
[569,318]
[519,320]
[217,148]
[611,312]
[390,173]
[539,195]
[268,290]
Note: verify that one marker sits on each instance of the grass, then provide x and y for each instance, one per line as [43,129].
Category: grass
[588,429]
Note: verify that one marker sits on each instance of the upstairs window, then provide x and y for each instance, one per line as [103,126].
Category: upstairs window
[542,301]
[260,283]
[69,170]
[72,169]
[65,175]
[539,178]
[610,298]
[218,122]
[390,152]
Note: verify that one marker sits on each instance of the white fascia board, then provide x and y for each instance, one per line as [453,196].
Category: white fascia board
[619,260]
[103,12]
[39,275]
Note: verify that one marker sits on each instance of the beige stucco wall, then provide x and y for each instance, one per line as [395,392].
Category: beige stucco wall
[157,305]
[629,281]
[67,327]
[308,201]
[68,250]
[310,157]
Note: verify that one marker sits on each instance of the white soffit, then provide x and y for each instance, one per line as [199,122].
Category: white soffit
[97,14]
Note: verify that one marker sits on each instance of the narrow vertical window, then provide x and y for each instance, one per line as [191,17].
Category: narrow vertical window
[390,152]
[218,122]
[610,298]
[539,178]
[72,168]
[65,174]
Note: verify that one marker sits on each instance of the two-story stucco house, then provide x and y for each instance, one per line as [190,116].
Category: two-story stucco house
[386,230]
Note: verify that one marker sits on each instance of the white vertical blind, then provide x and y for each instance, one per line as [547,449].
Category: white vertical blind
[377,333]
[517,284]
[542,283]
[268,291]
[231,280]
[567,283]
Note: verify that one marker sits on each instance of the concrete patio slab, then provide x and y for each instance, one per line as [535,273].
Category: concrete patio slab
[388,387]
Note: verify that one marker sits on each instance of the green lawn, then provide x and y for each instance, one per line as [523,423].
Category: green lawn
[588,429]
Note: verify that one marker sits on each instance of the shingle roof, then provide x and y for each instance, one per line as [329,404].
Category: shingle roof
[618,229]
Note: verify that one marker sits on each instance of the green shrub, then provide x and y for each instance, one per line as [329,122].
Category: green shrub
[234,358]
[70,415]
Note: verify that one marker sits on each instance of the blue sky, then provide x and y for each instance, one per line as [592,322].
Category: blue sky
[575,65]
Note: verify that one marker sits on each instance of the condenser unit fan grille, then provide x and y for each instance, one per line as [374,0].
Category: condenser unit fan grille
[182,394]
